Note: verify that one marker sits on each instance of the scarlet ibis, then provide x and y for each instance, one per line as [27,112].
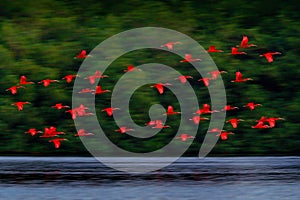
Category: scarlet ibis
[109,111]
[33,131]
[82,55]
[197,119]
[13,89]
[82,132]
[216,73]
[235,51]
[20,104]
[184,137]
[80,111]
[86,90]
[23,81]
[131,68]
[69,77]
[260,125]
[269,56]
[183,79]
[244,43]
[224,135]
[99,90]
[57,142]
[160,87]
[171,111]
[60,106]
[151,123]
[205,81]
[229,107]
[189,58]
[205,110]
[51,132]
[215,130]
[123,129]
[270,120]
[97,75]
[213,49]
[252,105]
[170,45]
[234,122]
[73,113]
[46,82]
[159,125]
[239,78]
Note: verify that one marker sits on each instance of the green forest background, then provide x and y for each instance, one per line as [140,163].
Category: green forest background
[40,38]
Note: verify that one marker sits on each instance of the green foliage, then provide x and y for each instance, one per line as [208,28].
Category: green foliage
[40,38]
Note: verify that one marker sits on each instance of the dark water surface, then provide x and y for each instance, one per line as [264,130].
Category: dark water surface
[244,178]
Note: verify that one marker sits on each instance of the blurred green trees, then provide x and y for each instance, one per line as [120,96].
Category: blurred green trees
[40,38]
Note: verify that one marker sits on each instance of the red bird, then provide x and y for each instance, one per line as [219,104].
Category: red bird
[229,107]
[59,106]
[239,78]
[205,81]
[184,137]
[252,105]
[269,56]
[33,131]
[160,87]
[86,90]
[197,119]
[270,120]
[131,68]
[14,89]
[183,79]
[234,122]
[205,110]
[123,129]
[215,74]
[235,51]
[51,132]
[57,142]
[97,75]
[69,77]
[170,45]
[159,125]
[260,125]
[46,82]
[170,111]
[73,113]
[99,90]
[82,55]
[213,49]
[82,132]
[23,81]
[215,130]
[109,111]
[224,135]
[20,104]
[244,43]
[188,58]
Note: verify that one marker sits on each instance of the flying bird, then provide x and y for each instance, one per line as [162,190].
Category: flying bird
[212,49]
[131,68]
[197,119]
[215,74]
[171,111]
[23,81]
[123,129]
[245,44]
[82,133]
[269,55]
[224,135]
[189,58]
[57,142]
[252,105]
[82,55]
[185,136]
[70,77]
[183,79]
[99,90]
[14,89]
[33,131]
[109,111]
[20,104]
[234,122]
[239,78]
[170,45]
[235,51]
[46,82]
[59,106]
[160,87]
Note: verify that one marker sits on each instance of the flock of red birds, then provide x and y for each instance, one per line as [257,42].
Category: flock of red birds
[53,135]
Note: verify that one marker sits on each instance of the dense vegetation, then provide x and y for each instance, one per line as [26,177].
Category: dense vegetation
[40,38]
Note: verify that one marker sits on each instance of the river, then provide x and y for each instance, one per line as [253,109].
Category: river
[211,178]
